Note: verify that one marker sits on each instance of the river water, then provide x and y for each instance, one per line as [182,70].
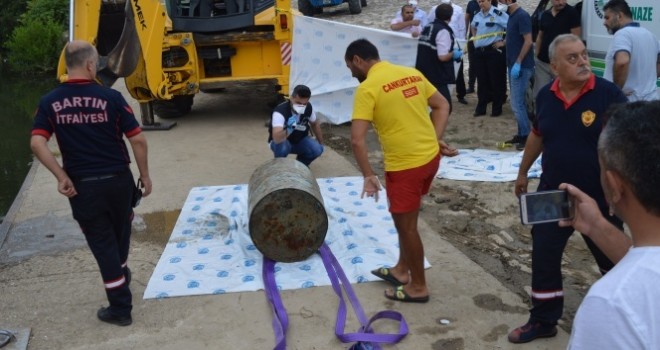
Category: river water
[18,101]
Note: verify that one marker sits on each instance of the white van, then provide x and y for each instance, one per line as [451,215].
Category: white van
[646,12]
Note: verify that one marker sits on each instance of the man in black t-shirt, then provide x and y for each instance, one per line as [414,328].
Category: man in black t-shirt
[470,11]
[561,18]
[90,122]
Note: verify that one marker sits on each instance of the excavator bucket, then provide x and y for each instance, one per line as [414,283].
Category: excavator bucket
[123,58]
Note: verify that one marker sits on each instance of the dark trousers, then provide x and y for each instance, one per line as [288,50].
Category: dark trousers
[548,243]
[472,72]
[460,83]
[490,67]
[443,89]
[103,211]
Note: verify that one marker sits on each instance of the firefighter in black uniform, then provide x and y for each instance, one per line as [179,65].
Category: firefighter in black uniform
[436,52]
[89,122]
[288,130]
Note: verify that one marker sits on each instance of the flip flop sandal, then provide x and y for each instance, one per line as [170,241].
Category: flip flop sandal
[385,274]
[401,295]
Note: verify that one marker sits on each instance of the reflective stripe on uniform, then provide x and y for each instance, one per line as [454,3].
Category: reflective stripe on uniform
[114,283]
[545,295]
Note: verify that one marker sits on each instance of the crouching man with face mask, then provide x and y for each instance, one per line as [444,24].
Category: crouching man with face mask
[290,125]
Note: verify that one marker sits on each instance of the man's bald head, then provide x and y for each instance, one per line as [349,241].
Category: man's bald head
[77,53]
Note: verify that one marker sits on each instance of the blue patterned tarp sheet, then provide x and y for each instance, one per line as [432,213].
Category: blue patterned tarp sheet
[485,165]
[318,61]
[210,250]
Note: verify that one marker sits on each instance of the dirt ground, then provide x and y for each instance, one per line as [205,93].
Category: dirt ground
[56,291]
[479,218]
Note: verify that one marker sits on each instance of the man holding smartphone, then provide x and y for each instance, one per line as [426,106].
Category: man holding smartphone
[621,310]
[570,116]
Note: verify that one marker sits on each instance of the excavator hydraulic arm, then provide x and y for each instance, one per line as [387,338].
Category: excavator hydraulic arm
[129,35]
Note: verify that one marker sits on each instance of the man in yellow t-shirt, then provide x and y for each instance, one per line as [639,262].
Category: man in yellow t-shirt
[395,100]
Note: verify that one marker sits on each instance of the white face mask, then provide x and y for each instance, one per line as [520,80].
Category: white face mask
[300,109]
[502,7]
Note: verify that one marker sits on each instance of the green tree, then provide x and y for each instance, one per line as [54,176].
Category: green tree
[35,46]
[44,10]
[9,17]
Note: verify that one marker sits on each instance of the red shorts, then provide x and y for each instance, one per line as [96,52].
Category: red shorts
[405,188]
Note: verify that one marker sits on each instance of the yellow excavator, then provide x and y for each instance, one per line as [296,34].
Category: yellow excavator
[169,50]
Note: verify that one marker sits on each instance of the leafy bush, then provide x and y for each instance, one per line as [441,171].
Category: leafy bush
[35,43]
[35,46]
[9,18]
[44,10]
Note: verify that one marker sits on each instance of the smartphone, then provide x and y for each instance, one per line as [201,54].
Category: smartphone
[545,206]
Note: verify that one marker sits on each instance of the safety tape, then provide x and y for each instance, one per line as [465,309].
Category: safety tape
[488,35]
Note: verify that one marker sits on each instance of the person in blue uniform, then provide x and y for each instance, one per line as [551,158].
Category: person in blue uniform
[520,62]
[488,28]
[289,128]
[570,117]
[90,122]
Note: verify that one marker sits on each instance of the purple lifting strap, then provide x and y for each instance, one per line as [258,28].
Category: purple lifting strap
[365,336]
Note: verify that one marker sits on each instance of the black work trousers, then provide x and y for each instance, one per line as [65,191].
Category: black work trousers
[490,65]
[443,89]
[472,72]
[460,83]
[103,210]
[548,243]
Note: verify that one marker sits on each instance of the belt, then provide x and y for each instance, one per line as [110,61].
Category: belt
[97,178]
[484,48]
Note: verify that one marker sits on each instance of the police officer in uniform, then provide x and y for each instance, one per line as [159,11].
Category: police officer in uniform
[488,28]
[289,128]
[90,122]
[436,51]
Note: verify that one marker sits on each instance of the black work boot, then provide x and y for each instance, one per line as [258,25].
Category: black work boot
[105,315]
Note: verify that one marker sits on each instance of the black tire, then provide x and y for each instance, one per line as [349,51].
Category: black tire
[306,8]
[354,6]
[178,106]
[363,3]
[318,10]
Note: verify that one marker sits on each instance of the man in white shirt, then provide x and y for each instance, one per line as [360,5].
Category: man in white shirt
[457,22]
[622,309]
[633,55]
[418,14]
[406,23]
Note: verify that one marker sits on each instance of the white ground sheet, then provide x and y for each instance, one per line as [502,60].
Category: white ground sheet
[485,165]
[210,250]
[318,61]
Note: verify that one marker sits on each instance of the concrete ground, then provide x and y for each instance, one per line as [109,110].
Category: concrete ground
[50,283]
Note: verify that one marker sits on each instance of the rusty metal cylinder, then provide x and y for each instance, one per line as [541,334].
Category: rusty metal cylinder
[287,219]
